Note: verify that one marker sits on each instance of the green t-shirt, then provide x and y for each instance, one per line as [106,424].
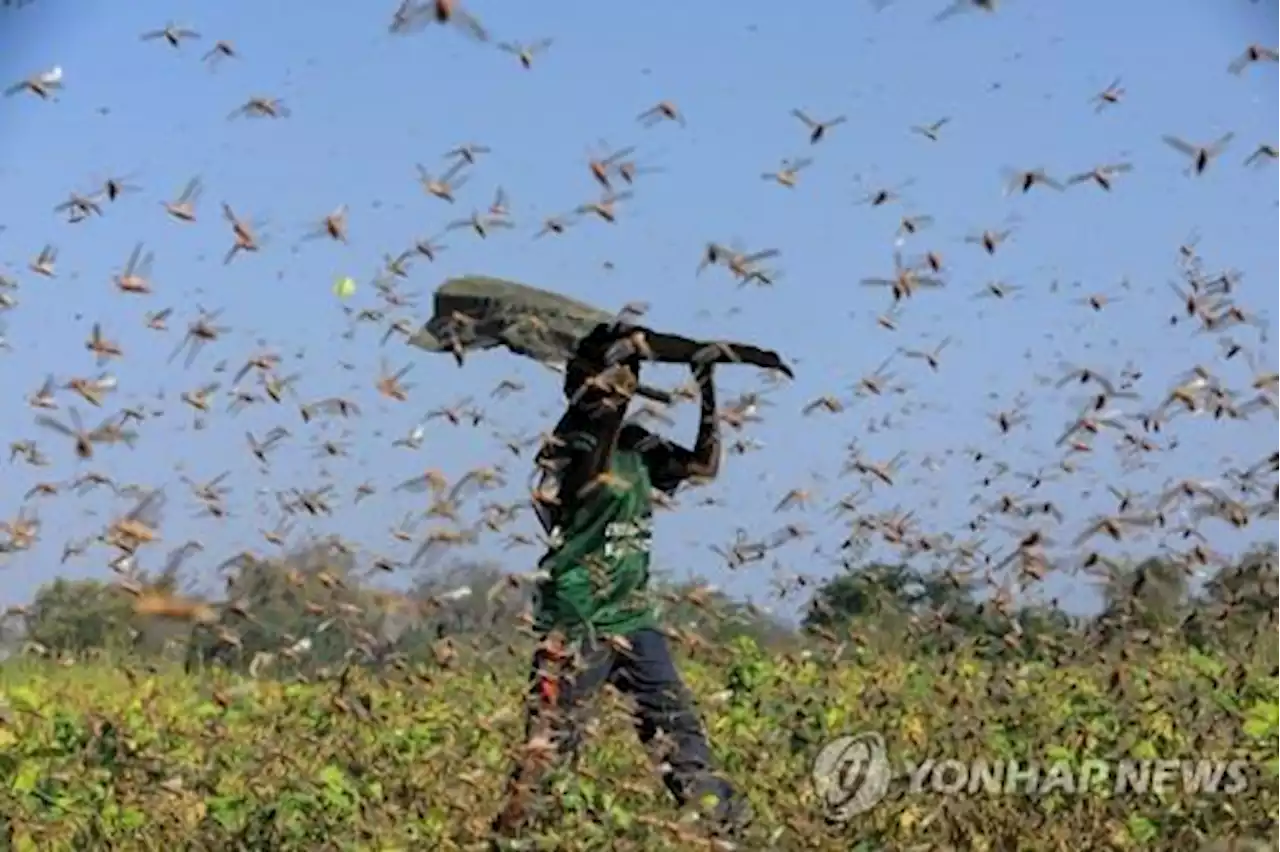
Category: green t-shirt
[599,565]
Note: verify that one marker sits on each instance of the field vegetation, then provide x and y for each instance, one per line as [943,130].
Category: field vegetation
[310,712]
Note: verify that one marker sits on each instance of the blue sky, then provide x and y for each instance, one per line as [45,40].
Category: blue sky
[367,106]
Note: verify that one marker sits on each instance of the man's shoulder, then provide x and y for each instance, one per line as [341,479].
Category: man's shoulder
[659,456]
[634,438]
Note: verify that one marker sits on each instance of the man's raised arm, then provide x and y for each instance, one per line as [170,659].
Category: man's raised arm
[669,463]
[705,461]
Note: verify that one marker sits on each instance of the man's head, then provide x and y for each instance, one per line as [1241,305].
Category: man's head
[590,360]
[578,372]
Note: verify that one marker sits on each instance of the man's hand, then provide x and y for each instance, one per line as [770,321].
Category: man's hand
[703,372]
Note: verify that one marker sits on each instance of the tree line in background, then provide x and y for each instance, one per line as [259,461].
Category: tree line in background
[315,608]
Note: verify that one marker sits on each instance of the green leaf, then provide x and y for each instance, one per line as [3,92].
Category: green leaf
[26,778]
[1144,750]
[1262,720]
[1141,829]
[25,844]
[1206,665]
[332,776]
[24,698]
[227,811]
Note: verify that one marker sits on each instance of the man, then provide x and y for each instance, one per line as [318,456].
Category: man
[598,624]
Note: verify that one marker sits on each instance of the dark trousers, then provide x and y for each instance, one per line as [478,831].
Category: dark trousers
[641,667]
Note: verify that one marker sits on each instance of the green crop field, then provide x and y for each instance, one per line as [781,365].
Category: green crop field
[117,755]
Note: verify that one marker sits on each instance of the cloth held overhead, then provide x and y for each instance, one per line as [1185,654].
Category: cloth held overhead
[476,313]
